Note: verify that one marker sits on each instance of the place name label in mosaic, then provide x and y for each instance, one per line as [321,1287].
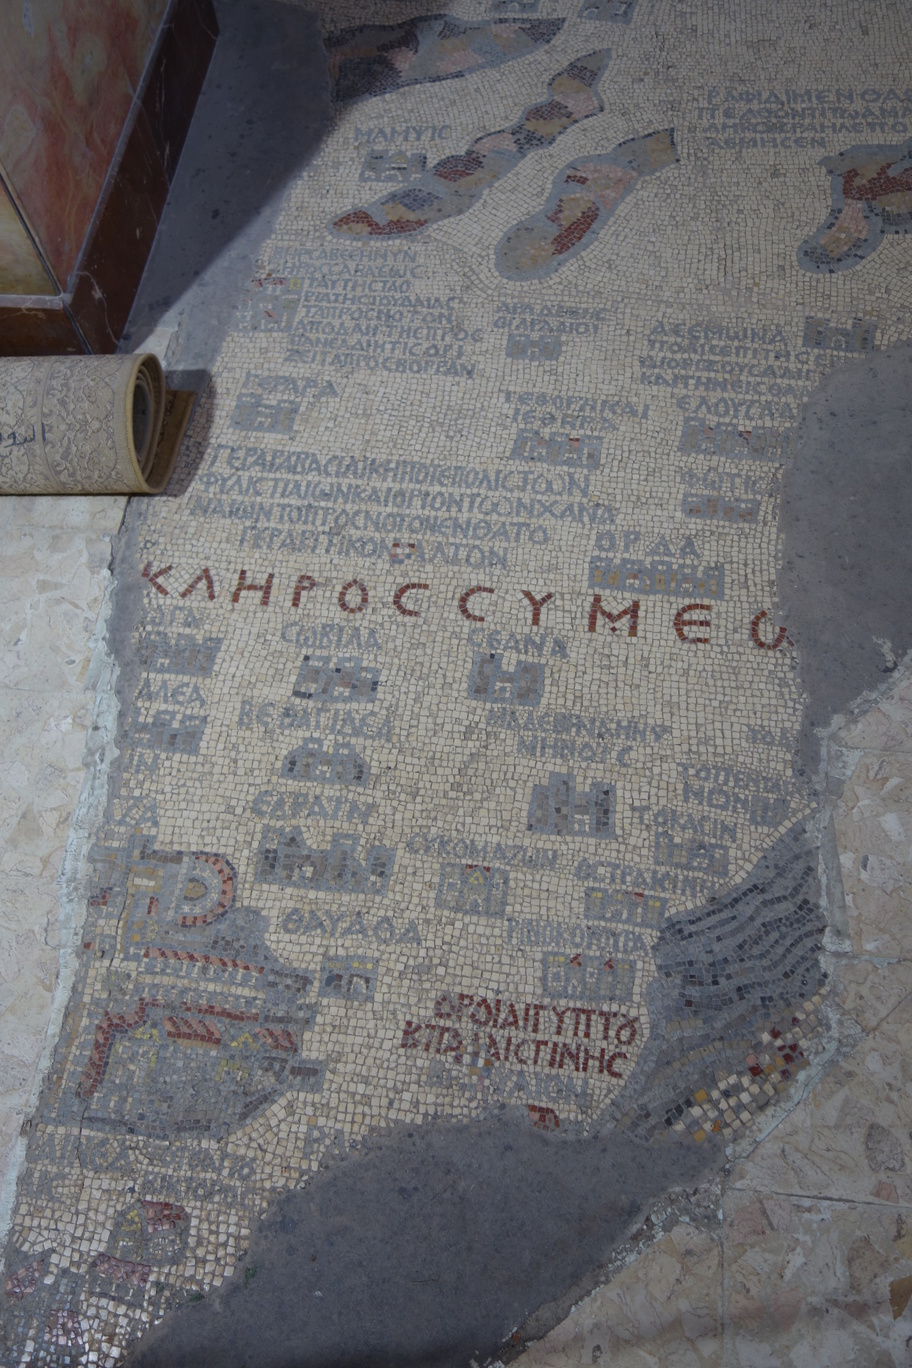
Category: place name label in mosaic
[689,824]
[182,654]
[481,852]
[734,484]
[322,720]
[348,925]
[760,360]
[588,726]
[676,873]
[183,694]
[537,643]
[763,799]
[535,1035]
[386,549]
[254,464]
[585,738]
[346,679]
[742,118]
[332,636]
[553,320]
[532,933]
[539,409]
[369,312]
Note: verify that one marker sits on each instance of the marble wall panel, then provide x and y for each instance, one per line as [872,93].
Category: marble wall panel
[69,70]
[21,271]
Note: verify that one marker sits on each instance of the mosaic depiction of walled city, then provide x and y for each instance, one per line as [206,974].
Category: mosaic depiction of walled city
[458,715]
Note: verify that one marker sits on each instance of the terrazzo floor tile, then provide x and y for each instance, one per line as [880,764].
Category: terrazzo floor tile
[666,1308]
[810,1282]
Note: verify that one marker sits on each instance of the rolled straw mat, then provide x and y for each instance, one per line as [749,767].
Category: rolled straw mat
[88,425]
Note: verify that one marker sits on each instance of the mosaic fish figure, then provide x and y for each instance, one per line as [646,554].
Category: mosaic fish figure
[583,197]
[872,195]
[376,59]
[456,183]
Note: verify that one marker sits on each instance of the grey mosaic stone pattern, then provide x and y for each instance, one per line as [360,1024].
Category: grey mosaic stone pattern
[735,1000]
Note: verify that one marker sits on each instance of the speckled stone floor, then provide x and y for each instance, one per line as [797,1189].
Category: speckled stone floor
[488,891]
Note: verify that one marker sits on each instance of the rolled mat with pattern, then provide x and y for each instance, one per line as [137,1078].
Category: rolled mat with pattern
[88,425]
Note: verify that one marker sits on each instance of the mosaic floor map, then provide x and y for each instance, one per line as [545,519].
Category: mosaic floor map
[457,745]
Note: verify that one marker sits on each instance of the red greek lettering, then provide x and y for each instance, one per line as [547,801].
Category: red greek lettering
[344,593]
[482,1003]
[536,604]
[152,576]
[597,611]
[757,639]
[606,1066]
[264,590]
[203,577]
[305,584]
[572,1053]
[464,602]
[681,622]
[400,595]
